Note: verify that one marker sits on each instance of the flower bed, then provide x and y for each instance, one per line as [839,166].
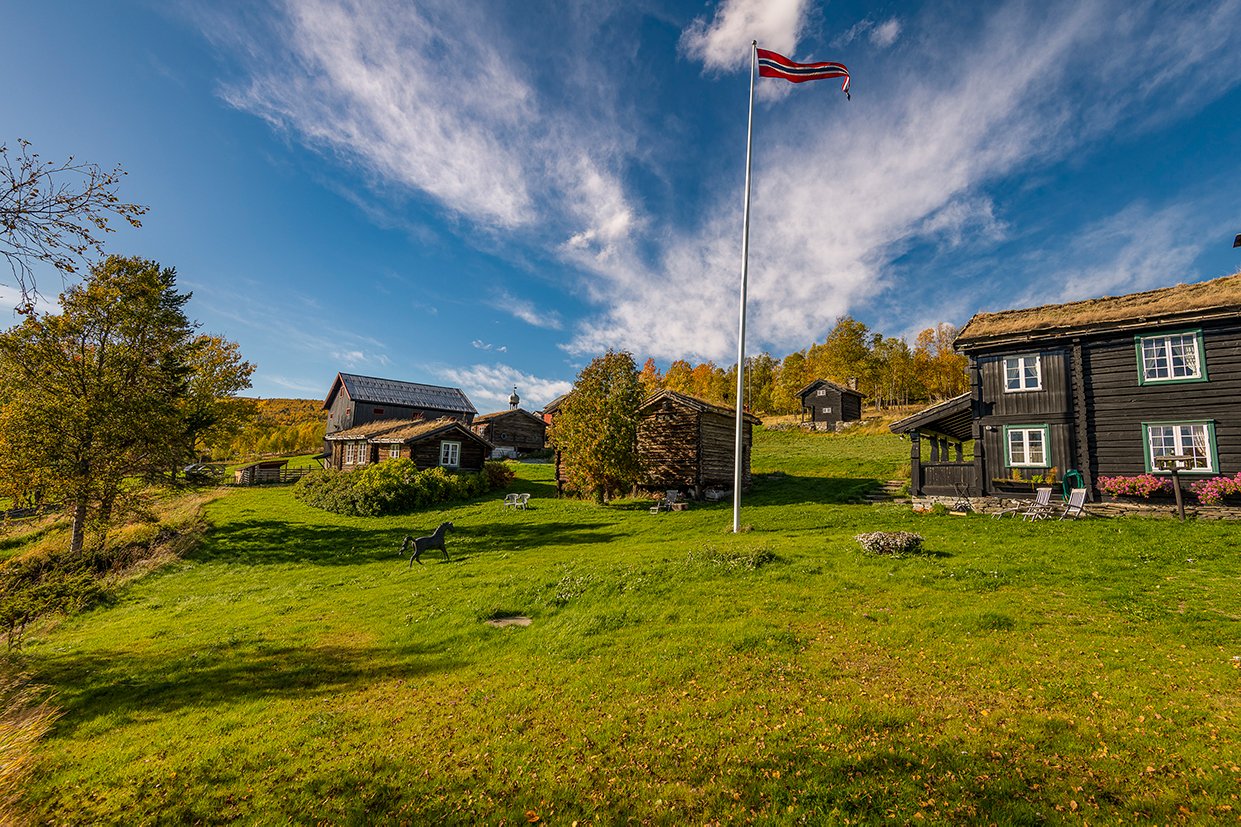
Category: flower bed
[1214,490]
[1143,485]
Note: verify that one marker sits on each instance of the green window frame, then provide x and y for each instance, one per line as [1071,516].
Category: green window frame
[1026,446]
[1165,352]
[1175,437]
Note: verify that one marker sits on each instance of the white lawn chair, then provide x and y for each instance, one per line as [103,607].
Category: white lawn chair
[1041,502]
[510,500]
[523,500]
[1076,506]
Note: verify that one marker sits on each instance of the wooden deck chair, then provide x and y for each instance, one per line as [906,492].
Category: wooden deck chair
[1042,500]
[1076,506]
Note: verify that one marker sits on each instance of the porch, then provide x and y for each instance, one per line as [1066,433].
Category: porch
[945,467]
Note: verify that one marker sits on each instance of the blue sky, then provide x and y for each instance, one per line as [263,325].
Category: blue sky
[487,194]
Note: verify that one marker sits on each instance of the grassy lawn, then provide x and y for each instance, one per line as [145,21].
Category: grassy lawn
[293,668]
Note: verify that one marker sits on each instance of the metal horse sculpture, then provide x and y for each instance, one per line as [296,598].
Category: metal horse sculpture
[422,544]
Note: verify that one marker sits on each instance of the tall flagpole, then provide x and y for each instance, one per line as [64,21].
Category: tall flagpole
[745,269]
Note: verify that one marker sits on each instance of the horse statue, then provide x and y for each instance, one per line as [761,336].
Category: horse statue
[422,544]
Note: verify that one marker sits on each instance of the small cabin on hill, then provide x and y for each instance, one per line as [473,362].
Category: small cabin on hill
[514,432]
[690,444]
[1105,387]
[357,400]
[443,442]
[825,405]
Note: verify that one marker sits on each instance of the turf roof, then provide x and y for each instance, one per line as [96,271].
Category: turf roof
[1169,303]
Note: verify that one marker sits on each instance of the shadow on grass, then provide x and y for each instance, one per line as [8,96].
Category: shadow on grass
[788,489]
[276,542]
[120,683]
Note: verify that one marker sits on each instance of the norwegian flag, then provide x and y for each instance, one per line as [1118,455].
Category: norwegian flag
[773,65]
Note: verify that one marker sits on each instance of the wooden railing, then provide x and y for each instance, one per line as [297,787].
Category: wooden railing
[944,478]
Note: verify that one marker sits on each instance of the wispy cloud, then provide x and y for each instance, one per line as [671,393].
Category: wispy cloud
[526,310]
[840,190]
[882,34]
[481,345]
[835,201]
[489,386]
[723,42]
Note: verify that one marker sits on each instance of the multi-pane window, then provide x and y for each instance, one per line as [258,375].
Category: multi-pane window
[827,410]
[1026,447]
[394,450]
[363,453]
[821,392]
[1023,373]
[348,453]
[1171,357]
[1194,440]
[450,454]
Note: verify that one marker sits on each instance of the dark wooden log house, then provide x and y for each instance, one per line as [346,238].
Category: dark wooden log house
[357,400]
[513,432]
[444,442]
[824,405]
[1103,387]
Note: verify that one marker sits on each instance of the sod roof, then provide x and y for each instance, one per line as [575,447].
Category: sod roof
[1220,295]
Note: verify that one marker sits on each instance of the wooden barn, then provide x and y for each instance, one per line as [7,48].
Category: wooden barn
[825,405]
[689,444]
[1105,387]
[514,432]
[357,400]
[445,442]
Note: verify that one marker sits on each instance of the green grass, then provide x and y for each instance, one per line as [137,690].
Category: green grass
[293,668]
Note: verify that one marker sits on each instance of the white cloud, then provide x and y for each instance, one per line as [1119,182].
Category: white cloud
[838,198]
[723,43]
[885,34]
[526,310]
[481,345]
[489,386]
[384,85]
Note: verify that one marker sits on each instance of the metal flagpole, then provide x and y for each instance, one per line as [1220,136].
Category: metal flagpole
[745,268]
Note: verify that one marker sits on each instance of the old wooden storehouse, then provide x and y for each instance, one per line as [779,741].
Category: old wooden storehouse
[825,405]
[444,442]
[357,400]
[514,433]
[1104,387]
[689,444]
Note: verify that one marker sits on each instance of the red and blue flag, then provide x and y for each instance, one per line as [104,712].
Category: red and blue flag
[773,65]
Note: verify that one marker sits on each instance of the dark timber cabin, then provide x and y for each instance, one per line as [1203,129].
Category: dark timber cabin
[824,405]
[445,442]
[513,432]
[1103,387]
[688,444]
[357,400]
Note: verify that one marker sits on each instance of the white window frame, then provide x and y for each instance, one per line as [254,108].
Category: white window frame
[821,392]
[1021,362]
[1024,432]
[1193,438]
[1162,351]
[394,450]
[450,454]
[348,453]
[363,453]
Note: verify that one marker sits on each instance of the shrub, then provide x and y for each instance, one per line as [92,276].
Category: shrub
[1213,491]
[498,474]
[1143,485]
[891,543]
[391,487]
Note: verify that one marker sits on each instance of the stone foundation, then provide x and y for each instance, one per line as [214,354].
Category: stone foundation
[990,505]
